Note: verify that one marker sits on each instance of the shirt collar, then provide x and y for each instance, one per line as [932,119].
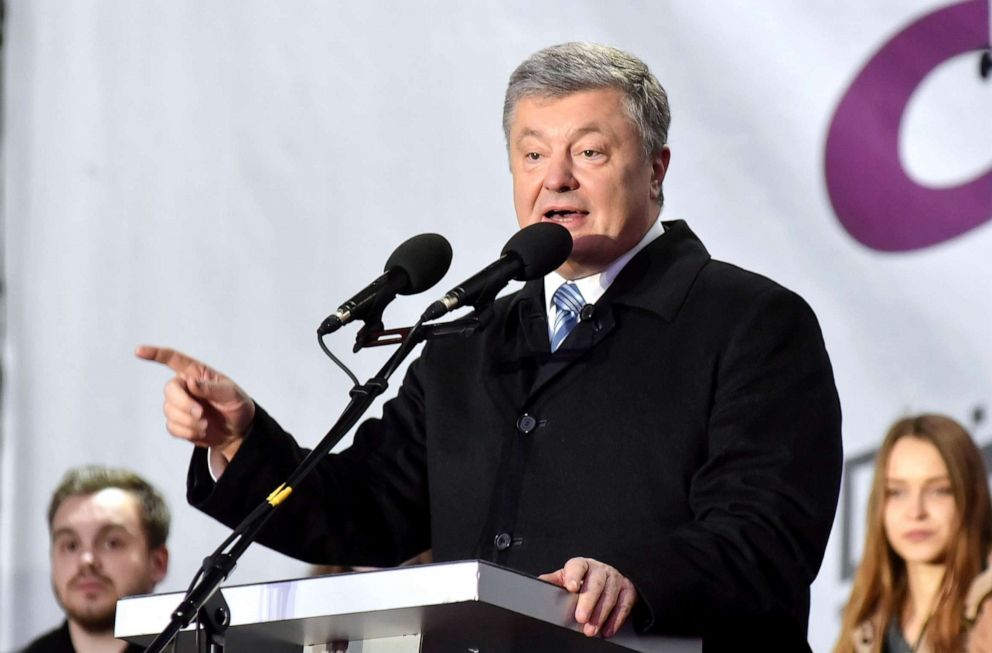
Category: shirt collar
[594,286]
[658,279]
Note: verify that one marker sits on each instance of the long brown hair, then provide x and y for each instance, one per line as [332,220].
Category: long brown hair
[880,589]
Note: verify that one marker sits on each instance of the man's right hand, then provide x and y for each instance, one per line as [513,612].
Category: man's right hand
[202,405]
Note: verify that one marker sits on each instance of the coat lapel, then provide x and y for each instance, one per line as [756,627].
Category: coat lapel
[657,279]
[587,334]
[518,351]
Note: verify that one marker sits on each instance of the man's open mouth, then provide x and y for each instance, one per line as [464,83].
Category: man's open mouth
[564,215]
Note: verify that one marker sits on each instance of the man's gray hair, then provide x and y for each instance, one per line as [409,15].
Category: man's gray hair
[564,69]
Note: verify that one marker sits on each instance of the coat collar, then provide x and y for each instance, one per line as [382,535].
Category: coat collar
[660,276]
[657,279]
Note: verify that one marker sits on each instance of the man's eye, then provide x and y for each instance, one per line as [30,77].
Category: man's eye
[589,153]
[532,156]
[66,546]
[113,543]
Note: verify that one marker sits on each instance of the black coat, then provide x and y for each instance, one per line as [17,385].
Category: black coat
[60,641]
[687,433]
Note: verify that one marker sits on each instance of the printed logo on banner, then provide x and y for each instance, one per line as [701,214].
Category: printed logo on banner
[874,198]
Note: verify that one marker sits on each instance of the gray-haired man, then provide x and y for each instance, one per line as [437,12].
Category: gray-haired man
[650,428]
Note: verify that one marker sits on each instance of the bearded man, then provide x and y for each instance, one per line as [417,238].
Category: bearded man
[108,532]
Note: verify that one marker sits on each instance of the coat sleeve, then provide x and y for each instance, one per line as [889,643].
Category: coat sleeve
[365,506]
[763,501]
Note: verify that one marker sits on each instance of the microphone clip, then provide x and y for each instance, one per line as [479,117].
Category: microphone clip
[381,337]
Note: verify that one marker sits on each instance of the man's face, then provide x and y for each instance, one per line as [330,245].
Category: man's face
[100,554]
[578,160]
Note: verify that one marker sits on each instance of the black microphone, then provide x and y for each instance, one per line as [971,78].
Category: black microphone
[531,253]
[414,266]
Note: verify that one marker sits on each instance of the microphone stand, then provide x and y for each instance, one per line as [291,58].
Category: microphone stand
[202,598]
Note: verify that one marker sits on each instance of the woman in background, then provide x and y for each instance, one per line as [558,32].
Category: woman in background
[928,532]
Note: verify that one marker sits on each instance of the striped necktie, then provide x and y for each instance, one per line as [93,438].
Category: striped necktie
[569,302]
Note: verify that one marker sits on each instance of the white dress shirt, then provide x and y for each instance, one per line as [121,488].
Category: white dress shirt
[593,286]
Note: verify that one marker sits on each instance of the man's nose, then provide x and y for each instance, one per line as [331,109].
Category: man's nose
[559,177]
[88,557]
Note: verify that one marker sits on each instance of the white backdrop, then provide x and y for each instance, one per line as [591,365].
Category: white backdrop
[218,176]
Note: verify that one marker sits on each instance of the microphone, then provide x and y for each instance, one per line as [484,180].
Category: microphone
[413,267]
[531,253]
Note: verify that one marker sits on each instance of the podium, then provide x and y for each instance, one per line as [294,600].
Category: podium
[458,607]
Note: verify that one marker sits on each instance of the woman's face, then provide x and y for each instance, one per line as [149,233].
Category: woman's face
[920,511]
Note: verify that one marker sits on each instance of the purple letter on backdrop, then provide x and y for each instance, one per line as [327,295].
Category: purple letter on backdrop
[874,198]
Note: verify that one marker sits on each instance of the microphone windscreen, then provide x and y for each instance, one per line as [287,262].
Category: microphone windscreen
[541,247]
[425,259]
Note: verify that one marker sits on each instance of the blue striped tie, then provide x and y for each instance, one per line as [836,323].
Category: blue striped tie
[569,302]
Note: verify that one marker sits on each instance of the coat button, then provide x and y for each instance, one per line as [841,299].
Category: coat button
[526,423]
[503,541]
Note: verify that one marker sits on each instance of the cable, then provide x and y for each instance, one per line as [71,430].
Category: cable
[354,379]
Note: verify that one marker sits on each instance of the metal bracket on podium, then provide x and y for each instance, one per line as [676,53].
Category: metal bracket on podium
[215,617]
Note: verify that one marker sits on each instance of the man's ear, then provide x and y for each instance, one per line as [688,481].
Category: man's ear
[160,563]
[659,168]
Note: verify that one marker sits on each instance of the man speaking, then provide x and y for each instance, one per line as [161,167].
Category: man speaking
[646,426]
